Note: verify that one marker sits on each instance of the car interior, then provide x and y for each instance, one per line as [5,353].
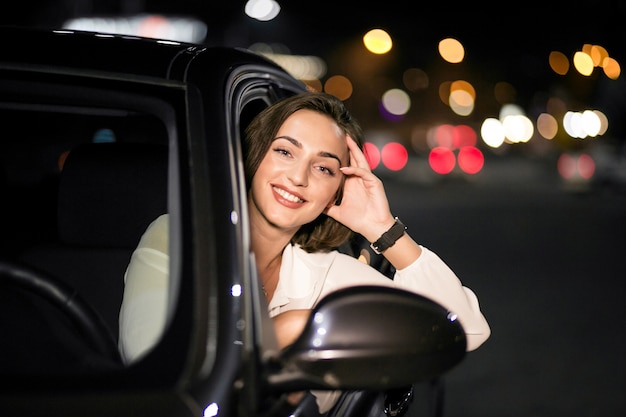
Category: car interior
[79,186]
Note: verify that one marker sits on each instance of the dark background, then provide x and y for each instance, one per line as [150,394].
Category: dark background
[545,257]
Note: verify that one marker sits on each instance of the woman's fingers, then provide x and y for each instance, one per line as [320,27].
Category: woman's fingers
[357,158]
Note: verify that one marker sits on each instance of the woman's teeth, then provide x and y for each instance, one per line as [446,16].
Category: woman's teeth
[288,196]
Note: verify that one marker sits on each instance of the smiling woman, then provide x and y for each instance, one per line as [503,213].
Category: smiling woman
[310,189]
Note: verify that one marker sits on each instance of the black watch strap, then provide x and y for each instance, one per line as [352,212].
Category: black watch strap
[389,238]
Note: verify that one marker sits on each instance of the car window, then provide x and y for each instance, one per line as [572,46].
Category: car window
[84,169]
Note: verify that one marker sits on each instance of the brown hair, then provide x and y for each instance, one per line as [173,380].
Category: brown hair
[324,233]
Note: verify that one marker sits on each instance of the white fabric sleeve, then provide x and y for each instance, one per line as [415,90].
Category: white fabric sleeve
[428,276]
[143,311]
[431,277]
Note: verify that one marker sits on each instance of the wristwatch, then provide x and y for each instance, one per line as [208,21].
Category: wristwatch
[389,238]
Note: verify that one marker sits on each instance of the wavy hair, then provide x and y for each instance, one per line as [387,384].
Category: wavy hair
[324,233]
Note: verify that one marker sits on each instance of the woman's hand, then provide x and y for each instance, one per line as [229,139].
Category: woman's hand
[364,207]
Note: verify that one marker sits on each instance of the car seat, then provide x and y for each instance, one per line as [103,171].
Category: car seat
[108,194]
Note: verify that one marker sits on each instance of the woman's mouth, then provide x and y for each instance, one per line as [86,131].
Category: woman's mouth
[287,195]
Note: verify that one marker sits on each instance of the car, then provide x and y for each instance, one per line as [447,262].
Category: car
[101,135]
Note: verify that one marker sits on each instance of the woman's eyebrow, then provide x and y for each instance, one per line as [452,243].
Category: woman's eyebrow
[323,154]
[329,155]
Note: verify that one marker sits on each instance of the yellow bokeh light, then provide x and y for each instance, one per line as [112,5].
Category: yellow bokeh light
[558,62]
[444,92]
[462,97]
[464,86]
[377,41]
[611,68]
[461,102]
[339,86]
[583,63]
[598,54]
[451,50]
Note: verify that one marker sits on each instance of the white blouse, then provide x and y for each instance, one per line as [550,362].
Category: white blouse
[304,279]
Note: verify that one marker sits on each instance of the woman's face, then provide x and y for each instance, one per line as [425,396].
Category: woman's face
[299,176]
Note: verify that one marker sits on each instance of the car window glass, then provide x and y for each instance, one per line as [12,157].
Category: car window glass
[80,183]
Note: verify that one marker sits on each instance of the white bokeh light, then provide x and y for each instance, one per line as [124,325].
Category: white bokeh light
[262,10]
[492,132]
[396,101]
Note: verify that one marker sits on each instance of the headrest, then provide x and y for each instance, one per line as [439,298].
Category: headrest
[110,192]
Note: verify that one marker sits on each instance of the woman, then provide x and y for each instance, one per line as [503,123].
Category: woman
[309,188]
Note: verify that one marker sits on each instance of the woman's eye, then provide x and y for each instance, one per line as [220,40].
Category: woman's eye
[326,170]
[282,151]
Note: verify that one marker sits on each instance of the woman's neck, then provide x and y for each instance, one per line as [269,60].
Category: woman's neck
[268,244]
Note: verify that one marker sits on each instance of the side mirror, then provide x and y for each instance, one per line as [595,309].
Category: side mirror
[371,337]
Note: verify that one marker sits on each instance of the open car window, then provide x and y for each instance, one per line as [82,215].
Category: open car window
[84,168]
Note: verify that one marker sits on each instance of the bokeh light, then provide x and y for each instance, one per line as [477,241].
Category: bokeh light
[451,50]
[471,159]
[339,86]
[442,135]
[492,132]
[596,52]
[558,62]
[396,101]
[377,41]
[463,135]
[262,10]
[394,156]
[573,167]
[462,97]
[584,124]
[441,160]
[547,125]
[611,68]
[583,63]
[372,154]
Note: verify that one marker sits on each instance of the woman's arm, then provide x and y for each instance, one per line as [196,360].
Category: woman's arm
[365,210]
[146,282]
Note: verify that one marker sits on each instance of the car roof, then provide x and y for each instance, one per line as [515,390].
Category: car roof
[78,51]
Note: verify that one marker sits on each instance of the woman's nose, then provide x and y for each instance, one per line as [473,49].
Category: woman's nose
[299,175]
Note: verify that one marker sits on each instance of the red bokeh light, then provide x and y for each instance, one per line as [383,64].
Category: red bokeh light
[372,154]
[471,159]
[463,135]
[586,166]
[441,160]
[444,136]
[395,156]
[566,165]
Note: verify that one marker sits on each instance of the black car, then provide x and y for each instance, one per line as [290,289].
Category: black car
[101,134]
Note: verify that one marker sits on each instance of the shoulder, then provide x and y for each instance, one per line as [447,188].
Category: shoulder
[326,260]
[338,266]
[156,234]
